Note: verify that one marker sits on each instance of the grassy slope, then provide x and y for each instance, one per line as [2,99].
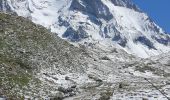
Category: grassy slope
[25,49]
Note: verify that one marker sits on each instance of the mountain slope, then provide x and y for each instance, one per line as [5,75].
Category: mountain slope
[111,22]
[37,64]
[27,50]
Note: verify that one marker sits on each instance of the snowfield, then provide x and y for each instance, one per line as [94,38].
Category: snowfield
[128,28]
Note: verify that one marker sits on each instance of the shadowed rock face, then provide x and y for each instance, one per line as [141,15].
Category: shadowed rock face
[4,6]
[125,3]
[162,40]
[93,8]
[145,41]
[75,35]
[121,41]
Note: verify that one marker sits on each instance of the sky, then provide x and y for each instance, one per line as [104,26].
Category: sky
[158,10]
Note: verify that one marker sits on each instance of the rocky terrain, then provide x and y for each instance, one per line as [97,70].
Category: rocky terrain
[37,64]
[28,49]
[81,50]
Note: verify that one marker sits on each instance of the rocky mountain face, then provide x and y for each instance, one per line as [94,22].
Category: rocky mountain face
[4,6]
[95,61]
[111,22]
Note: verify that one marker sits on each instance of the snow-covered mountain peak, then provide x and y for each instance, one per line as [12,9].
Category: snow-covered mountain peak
[118,23]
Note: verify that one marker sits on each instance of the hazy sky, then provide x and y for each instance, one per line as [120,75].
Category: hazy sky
[158,10]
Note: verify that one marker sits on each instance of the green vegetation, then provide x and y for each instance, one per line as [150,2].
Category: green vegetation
[19,79]
[25,49]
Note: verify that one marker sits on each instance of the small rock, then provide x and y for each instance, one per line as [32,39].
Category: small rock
[58,96]
[144,99]
[71,94]
[55,78]
[46,74]
[105,58]
[61,89]
[69,89]
[99,80]
[95,59]
[94,78]
[67,78]
[150,96]
[120,86]
[65,91]
[74,86]
[114,51]
[167,83]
